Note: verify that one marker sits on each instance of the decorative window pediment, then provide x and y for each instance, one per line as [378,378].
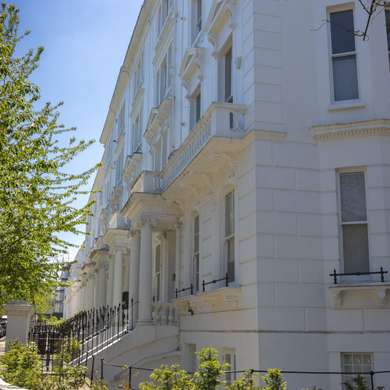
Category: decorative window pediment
[191,65]
[221,15]
[158,120]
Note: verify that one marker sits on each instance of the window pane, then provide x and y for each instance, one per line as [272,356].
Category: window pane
[230,259]
[353,197]
[342,32]
[228,76]
[345,78]
[229,214]
[198,107]
[388,28]
[355,245]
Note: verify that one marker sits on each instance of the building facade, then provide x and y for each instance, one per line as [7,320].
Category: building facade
[247,158]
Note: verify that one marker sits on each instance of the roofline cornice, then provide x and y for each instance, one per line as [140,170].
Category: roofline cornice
[143,21]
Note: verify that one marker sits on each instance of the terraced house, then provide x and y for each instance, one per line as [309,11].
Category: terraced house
[244,195]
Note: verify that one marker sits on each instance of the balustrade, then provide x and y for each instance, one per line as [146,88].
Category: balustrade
[164,313]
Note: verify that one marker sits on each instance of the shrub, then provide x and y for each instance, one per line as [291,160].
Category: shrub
[21,366]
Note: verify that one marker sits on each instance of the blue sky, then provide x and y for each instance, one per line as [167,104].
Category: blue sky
[85,43]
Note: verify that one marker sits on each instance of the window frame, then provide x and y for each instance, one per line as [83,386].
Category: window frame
[227,47]
[342,223]
[230,377]
[387,29]
[229,236]
[196,19]
[196,252]
[195,107]
[332,56]
[136,143]
[354,372]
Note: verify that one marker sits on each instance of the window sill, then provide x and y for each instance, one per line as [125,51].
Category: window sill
[215,300]
[346,105]
[362,294]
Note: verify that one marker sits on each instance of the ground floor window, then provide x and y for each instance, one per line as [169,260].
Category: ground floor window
[229,357]
[353,364]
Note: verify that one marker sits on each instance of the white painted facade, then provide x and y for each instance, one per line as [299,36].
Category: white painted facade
[179,138]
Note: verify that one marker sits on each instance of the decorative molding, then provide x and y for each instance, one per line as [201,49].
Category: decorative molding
[191,63]
[360,295]
[360,129]
[220,13]
[217,300]
[164,39]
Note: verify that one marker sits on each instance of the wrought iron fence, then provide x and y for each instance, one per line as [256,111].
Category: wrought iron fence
[84,334]
[308,380]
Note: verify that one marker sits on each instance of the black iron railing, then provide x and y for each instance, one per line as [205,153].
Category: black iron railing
[190,289]
[89,331]
[381,272]
[214,281]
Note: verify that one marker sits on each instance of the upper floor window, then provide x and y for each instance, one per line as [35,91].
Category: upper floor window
[121,119]
[139,74]
[137,134]
[196,17]
[387,15]
[164,76]
[195,108]
[343,56]
[225,75]
[195,256]
[354,222]
[229,235]
[356,363]
[163,12]
[119,169]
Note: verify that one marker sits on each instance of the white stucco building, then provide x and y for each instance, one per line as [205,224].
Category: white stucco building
[249,138]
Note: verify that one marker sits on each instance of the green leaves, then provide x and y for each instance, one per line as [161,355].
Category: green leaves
[37,191]
[210,376]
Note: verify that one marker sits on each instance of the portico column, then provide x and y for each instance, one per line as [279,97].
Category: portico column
[134,274]
[145,275]
[178,227]
[110,281]
[102,288]
[118,277]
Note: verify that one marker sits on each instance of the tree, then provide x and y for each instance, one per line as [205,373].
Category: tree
[209,376]
[37,192]
[371,8]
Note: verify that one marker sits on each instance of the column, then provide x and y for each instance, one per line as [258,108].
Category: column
[117,298]
[134,275]
[145,274]
[102,284]
[178,227]
[110,281]
[19,315]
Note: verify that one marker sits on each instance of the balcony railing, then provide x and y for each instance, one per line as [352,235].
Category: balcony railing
[335,275]
[164,313]
[147,181]
[224,120]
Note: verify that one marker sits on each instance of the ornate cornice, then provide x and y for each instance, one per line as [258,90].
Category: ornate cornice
[360,129]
